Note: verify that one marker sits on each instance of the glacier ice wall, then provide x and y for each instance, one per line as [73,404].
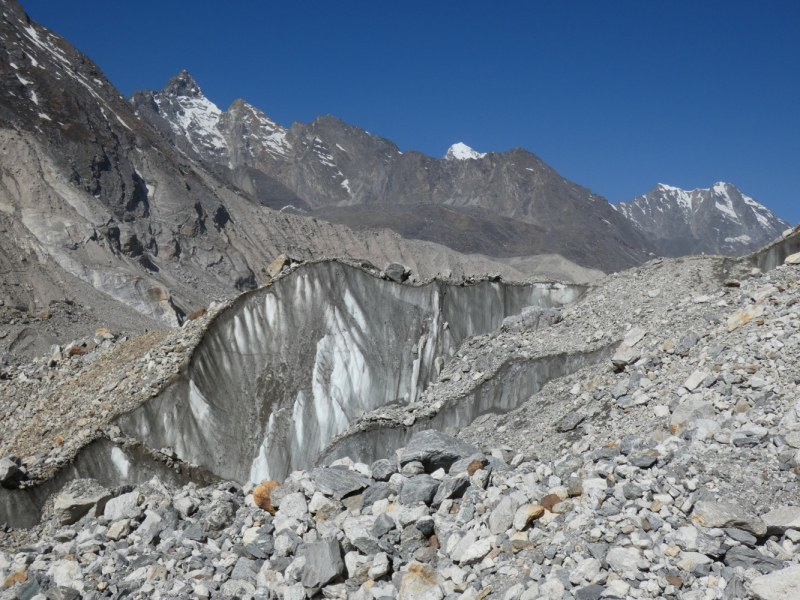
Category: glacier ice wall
[289,366]
[513,384]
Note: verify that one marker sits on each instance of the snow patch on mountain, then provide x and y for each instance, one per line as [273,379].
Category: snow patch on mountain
[199,118]
[712,220]
[461,151]
[726,206]
[271,134]
[681,197]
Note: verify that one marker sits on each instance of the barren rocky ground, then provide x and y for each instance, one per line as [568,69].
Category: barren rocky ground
[665,468]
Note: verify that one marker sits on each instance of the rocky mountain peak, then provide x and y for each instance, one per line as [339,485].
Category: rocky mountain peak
[461,151]
[183,84]
[716,220]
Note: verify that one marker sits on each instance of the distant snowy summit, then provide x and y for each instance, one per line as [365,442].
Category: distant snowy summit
[716,220]
[461,151]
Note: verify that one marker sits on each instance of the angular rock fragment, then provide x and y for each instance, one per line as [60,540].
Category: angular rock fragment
[778,585]
[323,564]
[78,498]
[276,266]
[339,482]
[751,559]
[781,519]
[726,514]
[435,450]
[418,489]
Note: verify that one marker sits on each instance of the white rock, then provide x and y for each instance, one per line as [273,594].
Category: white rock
[294,505]
[66,573]
[782,518]
[689,560]
[779,585]
[476,552]
[380,566]
[616,589]
[624,560]
[586,570]
[661,411]
[553,589]
[124,506]
[294,592]
[695,379]
[502,516]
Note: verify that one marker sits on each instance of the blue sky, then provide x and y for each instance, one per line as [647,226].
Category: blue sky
[616,96]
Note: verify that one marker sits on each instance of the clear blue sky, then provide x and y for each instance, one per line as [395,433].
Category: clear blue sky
[616,96]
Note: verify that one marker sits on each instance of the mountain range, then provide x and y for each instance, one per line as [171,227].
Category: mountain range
[717,220]
[163,202]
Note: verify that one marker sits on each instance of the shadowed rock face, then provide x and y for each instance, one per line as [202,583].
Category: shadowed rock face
[289,366]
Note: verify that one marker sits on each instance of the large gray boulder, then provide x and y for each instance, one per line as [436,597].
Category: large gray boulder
[435,450]
[396,272]
[531,317]
[339,482]
[324,563]
[751,559]
[377,491]
[78,498]
[728,515]
[383,469]
[420,488]
[124,506]
[10,469]
[781,519]
[502,516]
[780,585]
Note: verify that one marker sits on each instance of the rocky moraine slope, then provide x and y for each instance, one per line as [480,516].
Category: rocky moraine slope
[640,442]
[184,415]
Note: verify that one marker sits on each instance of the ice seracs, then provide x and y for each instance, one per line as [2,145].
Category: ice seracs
[461,151]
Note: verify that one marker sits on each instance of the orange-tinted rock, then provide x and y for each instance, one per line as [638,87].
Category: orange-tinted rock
[20,576]
[420,580]
[549,501]
[276,266]
[197,314]
[673,580]
[433,542]
[262,493]
[475,465]
[525,514]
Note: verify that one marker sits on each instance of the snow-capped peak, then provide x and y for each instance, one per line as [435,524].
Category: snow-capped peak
[190,114]
[718,219]
[681,197]
[461,151]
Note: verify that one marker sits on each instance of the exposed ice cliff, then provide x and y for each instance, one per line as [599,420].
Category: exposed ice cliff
[289,366]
